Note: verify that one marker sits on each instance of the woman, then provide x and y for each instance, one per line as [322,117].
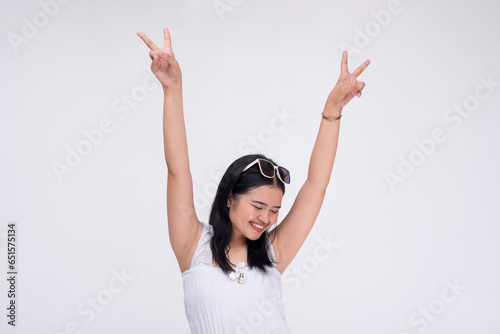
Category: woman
[231,268]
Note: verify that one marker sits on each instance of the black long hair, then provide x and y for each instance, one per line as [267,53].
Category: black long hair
[239,184]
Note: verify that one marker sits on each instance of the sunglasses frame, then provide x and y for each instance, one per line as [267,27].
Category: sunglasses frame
[276,171]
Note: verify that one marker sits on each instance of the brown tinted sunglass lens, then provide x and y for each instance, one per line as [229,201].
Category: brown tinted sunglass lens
[285,174]
[267,168]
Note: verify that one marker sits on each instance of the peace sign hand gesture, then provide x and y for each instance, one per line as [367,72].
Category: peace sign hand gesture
[346,87]
[165,68]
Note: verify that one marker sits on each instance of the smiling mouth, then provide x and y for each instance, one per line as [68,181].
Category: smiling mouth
[257,227]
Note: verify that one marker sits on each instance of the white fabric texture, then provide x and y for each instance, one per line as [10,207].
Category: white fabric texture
[217,304]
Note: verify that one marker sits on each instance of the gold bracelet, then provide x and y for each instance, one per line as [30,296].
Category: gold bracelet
[331,119]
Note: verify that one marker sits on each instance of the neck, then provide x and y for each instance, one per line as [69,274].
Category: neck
[238,241]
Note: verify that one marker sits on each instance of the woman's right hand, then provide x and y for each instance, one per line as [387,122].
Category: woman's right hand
[165,68]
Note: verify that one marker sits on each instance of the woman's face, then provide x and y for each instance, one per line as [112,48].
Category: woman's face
[253,213]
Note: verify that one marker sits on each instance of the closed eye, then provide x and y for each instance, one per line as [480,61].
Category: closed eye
[274,212]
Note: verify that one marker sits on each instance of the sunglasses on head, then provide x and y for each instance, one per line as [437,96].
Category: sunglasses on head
[267,168]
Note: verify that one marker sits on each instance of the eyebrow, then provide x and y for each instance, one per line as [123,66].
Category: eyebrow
[265,204]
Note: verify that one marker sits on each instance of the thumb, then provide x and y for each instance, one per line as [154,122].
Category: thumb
[156,64]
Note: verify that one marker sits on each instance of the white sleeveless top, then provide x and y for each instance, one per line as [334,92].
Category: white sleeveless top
[216,304]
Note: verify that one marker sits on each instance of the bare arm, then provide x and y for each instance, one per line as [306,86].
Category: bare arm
[183,225]
[174,132]
[295,227]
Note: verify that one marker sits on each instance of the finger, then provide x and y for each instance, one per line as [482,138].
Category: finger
[152,54]
[167,40]
[155,65]
[361,68]
[169,58]
[350,88]
[164,59]
[361,85]
[343,66]
[148,41]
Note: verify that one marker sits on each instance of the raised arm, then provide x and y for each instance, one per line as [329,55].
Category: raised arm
[183,225]
[295,227]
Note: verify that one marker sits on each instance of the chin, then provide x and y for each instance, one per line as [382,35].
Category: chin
[254,236]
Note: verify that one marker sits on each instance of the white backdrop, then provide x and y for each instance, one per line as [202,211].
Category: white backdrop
[406,241]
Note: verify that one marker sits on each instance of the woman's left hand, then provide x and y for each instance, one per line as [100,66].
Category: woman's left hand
[347,86]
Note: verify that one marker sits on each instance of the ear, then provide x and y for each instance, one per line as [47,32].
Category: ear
[230,200]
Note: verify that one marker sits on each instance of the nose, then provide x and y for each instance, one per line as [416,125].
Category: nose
[264,217]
